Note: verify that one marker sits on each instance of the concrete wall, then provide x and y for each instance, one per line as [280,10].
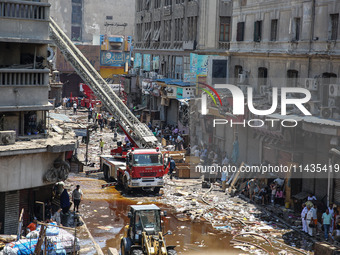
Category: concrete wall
[94,17]
[25,171]
[36,23]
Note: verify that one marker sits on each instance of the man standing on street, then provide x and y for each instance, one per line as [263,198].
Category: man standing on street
[75,107]
[65,201]
[77,196]
[101,145]
[303,218]
[326,221]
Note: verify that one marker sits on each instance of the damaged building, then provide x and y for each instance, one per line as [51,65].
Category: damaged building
[32,157]
[253,44]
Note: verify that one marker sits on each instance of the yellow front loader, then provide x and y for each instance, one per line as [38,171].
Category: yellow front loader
[144,233]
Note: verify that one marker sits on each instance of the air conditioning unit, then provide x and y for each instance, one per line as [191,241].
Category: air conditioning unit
[311,84]
[7,137]
[334,90]
[331,102]
[312,107]
[242,78]
[326,112]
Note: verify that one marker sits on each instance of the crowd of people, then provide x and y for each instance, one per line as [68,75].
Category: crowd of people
[313,221]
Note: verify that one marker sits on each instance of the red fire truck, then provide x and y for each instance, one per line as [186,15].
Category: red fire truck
[136,168]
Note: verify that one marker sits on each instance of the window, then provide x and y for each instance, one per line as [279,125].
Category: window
[156,30]
[257,31]
[240,32]
[168,2]
[224,29]
[139,5]
[139,33]
[147,31]
[157,4]
[179,68]
[75,33]
[167,31]
[219,71]
[262,76]
[192,28]
[179,1]
[292,76]
[273,30]
[297,28]
[109,17]
[334,26]
[77,20]
[238,70]
[178,29]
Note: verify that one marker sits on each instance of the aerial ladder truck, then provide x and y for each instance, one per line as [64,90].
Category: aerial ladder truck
[142,167]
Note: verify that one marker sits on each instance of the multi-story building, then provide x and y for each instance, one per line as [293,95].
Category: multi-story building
[169,36]
[87,23]
[286,44]
[84,21]
[29,151]
[262,44]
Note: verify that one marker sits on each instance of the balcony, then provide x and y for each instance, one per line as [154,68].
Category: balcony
[34,14]
[223,45]
[16,84]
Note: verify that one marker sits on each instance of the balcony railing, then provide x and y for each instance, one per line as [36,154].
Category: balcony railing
[224,45]
[17,77]
[27,10]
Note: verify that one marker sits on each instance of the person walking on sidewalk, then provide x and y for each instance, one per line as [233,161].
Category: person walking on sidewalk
[326,221]
[77,196]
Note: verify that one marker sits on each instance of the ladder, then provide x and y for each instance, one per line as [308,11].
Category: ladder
[140,134]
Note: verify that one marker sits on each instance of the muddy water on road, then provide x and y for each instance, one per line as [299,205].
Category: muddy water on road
[105,213]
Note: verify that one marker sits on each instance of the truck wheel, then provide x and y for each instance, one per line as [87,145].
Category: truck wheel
[156,190]
[172,252]
[138,252]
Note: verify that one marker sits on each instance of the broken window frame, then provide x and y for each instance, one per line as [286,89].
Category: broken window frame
[297,29]
[292,75]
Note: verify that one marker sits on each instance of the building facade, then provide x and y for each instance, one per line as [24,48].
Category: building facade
[29,150]
[257,44]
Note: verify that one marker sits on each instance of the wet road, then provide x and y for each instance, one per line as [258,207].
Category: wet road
[105,214]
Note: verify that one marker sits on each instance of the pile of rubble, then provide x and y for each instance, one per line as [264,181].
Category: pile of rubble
[253,228]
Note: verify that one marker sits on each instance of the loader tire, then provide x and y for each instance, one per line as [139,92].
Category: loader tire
[156,190]
[137,252]
[124,247]
[172,252]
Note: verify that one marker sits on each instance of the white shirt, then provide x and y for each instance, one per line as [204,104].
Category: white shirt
[197,153]
[304,213]
[225,161]
[74,105]
[311,198]
[309,214]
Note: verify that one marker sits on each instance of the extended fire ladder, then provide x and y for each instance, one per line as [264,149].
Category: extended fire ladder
[140,134]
